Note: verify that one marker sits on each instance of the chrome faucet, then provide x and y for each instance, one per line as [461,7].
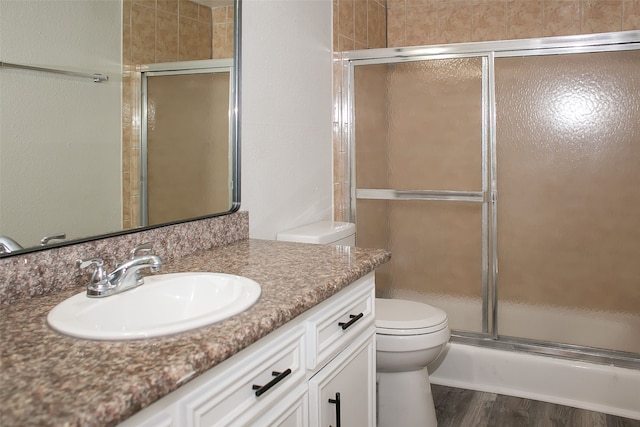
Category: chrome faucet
[46,239]
[125,276]
[8,245]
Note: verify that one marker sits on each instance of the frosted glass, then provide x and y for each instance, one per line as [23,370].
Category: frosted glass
[568,155]
[436,254]
[372,157]
[187,180]
[418,125]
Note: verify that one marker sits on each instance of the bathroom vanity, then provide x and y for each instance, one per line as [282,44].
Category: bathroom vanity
[315,369]
[302,323]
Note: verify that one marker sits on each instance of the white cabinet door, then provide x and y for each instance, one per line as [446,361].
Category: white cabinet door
[343,392]
[292,411]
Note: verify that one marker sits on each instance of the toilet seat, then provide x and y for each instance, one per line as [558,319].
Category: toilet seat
[402,317]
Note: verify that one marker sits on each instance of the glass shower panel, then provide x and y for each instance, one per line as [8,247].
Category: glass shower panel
[187,145]
[418,125]
[568,178]
[437,254]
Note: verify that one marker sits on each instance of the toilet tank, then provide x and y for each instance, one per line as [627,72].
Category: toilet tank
[322,233]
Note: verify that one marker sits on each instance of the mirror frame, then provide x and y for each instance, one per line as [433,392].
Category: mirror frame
[234,153]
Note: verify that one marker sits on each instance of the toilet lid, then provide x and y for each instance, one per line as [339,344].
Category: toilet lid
[397,314]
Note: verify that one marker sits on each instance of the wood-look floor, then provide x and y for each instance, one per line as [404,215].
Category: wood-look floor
[456,407]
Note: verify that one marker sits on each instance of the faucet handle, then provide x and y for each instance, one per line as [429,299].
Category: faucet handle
[148,246]
[99,275]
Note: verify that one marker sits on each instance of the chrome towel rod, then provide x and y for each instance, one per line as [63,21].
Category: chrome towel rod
[95,77]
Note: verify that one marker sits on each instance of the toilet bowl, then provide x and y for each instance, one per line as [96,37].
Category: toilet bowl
[409,335]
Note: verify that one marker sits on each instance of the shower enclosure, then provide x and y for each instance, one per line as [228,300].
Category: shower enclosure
[505,179]
[185,140]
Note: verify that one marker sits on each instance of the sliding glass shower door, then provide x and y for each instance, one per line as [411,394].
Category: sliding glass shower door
[568,157]
[185,143]
[420,180]
[504,177]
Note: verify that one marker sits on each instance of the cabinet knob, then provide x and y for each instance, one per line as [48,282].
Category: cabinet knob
[279,376]
[354,319]
[337,402]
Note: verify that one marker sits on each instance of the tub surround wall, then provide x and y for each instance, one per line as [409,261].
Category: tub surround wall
[360,24]
[52,379]
[41,273]
[415,23]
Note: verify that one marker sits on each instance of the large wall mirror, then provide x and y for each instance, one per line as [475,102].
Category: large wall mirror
[115,115]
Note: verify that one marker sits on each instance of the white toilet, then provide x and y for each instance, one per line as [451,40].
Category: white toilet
[322,232]
[409,335]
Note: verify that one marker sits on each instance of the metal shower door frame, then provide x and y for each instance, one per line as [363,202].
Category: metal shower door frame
[173,69]
[590,43]
[484,196]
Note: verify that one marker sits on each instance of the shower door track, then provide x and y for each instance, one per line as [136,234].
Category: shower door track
[590,43]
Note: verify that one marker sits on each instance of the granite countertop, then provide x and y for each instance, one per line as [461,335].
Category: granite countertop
[50,379]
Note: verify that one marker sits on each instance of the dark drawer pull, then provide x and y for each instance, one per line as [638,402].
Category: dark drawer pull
[354,319]
[279,376]
[337,402]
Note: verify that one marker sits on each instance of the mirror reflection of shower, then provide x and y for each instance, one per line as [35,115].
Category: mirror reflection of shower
[185,140]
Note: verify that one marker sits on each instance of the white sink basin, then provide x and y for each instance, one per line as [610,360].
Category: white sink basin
[165,304]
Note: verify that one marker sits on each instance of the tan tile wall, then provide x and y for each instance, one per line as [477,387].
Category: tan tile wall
[359,24]
[426,22]
[156,31]
[223,32]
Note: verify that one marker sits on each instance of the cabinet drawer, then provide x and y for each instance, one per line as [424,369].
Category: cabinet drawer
[333,328]
[252,386]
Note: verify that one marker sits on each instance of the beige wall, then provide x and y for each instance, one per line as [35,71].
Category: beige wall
[59,136]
